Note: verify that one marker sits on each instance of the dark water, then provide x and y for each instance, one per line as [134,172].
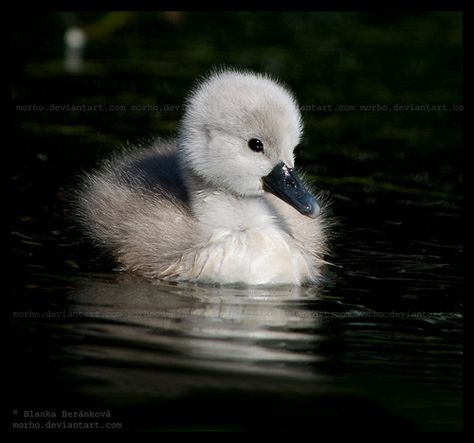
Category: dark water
[376,347]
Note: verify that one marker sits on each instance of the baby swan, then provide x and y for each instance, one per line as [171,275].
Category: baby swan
[221,203]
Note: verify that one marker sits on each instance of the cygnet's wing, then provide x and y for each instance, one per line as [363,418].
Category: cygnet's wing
[154,170]
[136,206]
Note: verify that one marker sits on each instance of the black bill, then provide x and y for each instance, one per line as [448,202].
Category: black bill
[285,184]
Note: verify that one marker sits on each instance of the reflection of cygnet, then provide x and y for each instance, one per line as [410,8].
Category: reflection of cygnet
[260,330]
[222,203]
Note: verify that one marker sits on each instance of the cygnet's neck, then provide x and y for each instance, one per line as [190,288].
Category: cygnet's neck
[218,207]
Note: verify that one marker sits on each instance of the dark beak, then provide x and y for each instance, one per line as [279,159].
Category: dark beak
[285,184]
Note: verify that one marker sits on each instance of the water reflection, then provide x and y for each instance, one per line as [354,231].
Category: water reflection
[120,342]
[256,330]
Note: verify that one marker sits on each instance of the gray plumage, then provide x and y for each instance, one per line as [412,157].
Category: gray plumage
[193,208]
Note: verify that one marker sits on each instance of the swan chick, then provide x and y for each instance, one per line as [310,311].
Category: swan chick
[222,202]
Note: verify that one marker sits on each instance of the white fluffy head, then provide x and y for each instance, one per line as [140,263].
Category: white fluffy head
[223,113]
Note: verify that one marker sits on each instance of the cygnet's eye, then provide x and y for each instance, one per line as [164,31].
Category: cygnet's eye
[256,145]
